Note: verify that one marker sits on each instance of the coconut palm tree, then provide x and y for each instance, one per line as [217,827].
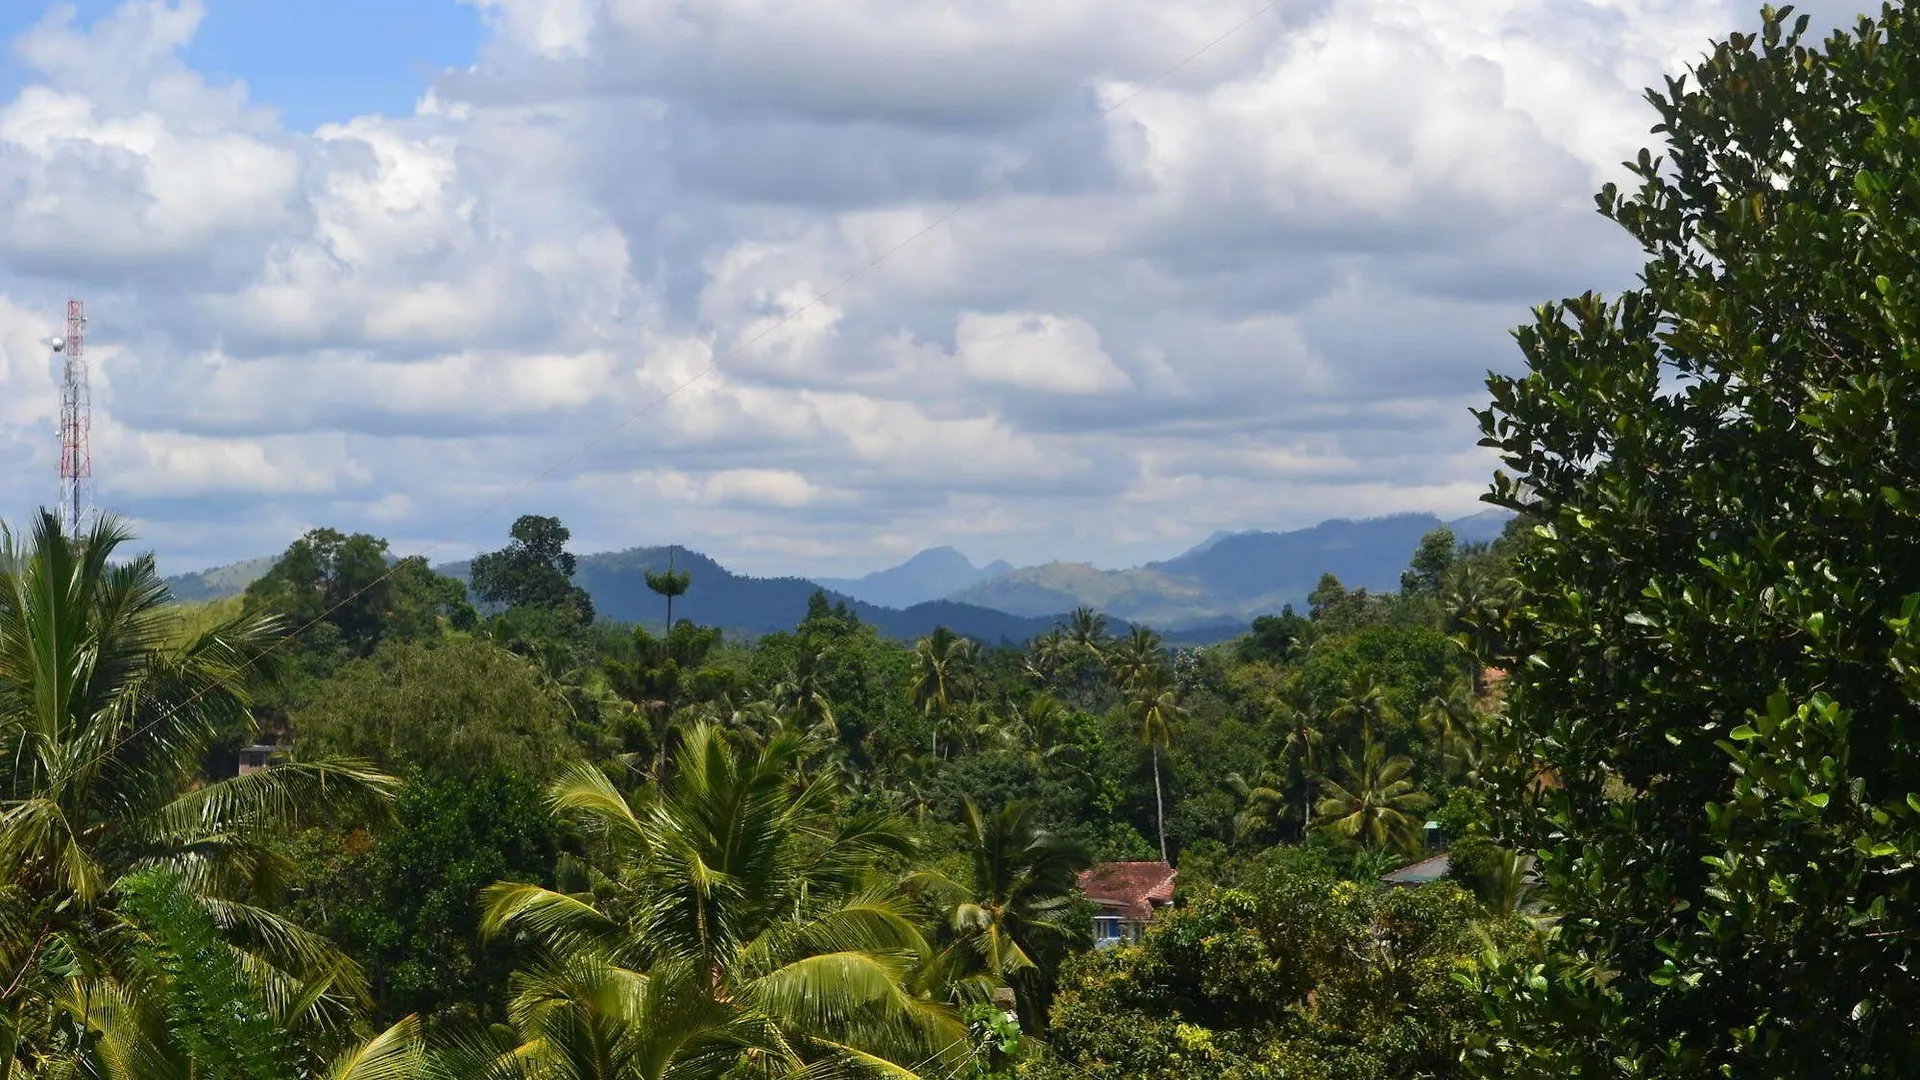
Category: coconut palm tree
[1047,656]
[1156,705]
[1377,803]
[1474,602]
[1362,703]
[106,713]
[755,717]
[1259,799]
[1134,655]
[725,924]
[1300,740]
[1034,732]
[1012,923]
[942,674]
[1087,633]
[804,696]
[1448,721]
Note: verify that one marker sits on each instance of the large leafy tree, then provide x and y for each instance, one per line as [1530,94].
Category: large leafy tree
[1710,727]
[456,709]
[405,907]
[535,570]
[105,713]
[1297,975]
[349,585]
[727,920]
[1427,571]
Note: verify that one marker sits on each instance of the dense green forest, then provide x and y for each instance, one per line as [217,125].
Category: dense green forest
[505,824]
[1664,725]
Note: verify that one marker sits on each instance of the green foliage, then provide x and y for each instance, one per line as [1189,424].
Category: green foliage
[729,913]
[1431,564]
[534,570]
[1409,665]
[345,582]
[457,709]
[1296,975]
[1276,638]
[216,1020]
[1709,722]
[998,1044]
[406,908]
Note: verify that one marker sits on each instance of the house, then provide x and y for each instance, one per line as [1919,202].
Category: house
[1128,893]
[257,757]
[1425,872]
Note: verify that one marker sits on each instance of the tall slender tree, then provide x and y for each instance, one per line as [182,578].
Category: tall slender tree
[669,583]
[1156,707]
[1300,741]
[942,674]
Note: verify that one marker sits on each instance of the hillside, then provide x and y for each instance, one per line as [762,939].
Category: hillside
[220,581]
[754,606]
[1144,594]
[931,575]
[1231,576]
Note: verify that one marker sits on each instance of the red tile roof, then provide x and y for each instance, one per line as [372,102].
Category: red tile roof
[1134,887]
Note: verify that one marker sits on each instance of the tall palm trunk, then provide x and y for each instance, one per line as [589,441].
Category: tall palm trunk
[1306,802]
[1159,806]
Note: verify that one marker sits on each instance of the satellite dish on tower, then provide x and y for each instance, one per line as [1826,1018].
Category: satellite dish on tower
[58,343]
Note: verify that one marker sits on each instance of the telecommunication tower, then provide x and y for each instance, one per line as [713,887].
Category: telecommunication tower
[76,418]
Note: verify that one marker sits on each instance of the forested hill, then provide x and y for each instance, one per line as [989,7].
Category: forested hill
[220,581]
[754,606]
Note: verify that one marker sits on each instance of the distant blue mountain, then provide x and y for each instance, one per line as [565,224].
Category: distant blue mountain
[1482,528]
[1232,576]
[933,574]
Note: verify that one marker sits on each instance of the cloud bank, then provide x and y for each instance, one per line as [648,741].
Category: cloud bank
[1263,292]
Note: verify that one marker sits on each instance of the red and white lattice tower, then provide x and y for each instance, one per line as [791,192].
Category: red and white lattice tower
[76,417]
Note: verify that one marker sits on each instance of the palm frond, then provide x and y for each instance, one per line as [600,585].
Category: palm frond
[397,1053]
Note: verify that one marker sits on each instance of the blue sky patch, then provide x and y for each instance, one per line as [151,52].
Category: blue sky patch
[315,61]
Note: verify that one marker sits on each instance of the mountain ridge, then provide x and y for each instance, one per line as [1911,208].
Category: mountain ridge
[1207,593]
[1234,576]
[933,574]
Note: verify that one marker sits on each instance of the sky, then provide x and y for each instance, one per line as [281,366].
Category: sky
[806,287]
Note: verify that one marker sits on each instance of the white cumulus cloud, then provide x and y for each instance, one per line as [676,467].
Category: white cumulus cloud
[810,288]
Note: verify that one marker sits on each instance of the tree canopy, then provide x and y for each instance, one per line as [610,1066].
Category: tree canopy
[1708,737]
